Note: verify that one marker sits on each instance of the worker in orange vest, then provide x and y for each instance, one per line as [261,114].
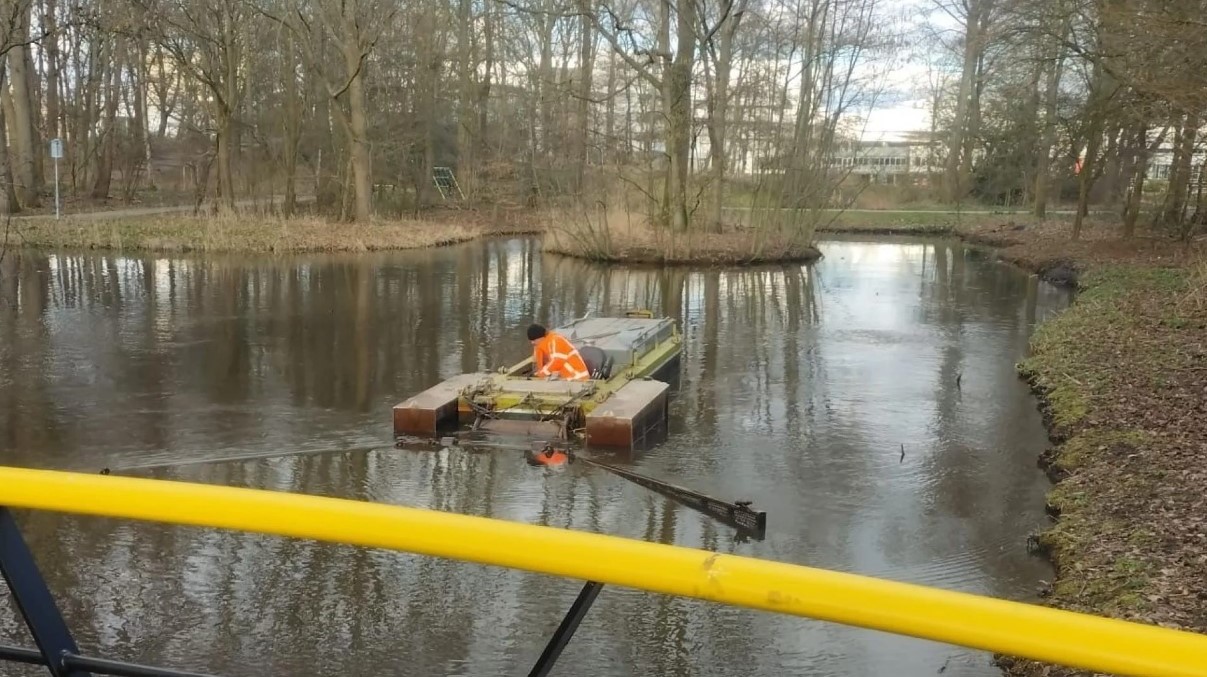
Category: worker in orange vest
[555,357]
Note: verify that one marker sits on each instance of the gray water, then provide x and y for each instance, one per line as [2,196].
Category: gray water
[799,386]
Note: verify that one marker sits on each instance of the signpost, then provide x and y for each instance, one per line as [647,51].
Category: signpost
[56,152]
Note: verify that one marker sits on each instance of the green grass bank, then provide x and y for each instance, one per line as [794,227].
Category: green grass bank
[1122,376]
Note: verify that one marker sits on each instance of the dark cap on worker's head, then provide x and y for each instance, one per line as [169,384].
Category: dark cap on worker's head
[535,331]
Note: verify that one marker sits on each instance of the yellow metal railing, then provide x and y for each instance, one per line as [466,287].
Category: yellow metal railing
[989,624]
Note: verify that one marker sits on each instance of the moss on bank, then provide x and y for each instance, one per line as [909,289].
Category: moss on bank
[255,233]
[1123,380]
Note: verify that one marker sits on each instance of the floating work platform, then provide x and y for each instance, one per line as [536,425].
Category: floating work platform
[632,359]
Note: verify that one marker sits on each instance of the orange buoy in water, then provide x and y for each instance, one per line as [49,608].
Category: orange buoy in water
[549,457]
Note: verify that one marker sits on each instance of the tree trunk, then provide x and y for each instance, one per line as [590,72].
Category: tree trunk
[8,199]
[1111,178]
[678,104]
[466,119]
[188,111]
[429,77]
[1102,87]
[718,118]
[1200,210]
[108,141]
[609,140]
[973,130]
[483,103]
[52,68]
[1043,160]
[544,82]
[954,179]
[34,86]
[226,179]
[626,153]
[90,78]
[292,122]
[164,91]
[232,129]
[426,196]
[144,112]
[1085,179]
[141,130]
[25,148]
[359,141]
[798,189]
[586,65]
[1174,209]
[1135,193]
[326,180]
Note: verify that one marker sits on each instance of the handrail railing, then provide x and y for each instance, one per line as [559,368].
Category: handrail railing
[1011,628]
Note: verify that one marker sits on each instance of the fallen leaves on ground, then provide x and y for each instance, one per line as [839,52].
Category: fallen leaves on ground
[1123,379]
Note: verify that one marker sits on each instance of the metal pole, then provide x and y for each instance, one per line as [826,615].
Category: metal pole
[56,187]
[17,654]
[121,669]
[561,637]
[100,665]
[34,600]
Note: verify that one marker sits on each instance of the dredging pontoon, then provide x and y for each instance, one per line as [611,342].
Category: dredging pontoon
[632,360]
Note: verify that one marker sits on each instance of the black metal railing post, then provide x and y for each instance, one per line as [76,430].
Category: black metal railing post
[34,601]
[561,637]
[56,650]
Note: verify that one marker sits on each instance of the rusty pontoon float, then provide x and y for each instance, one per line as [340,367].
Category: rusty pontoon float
[633,361]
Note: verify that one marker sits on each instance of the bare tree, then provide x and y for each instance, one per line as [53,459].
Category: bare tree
[975,16]
[670,73]
[719,43]
[683,106]
[208,42]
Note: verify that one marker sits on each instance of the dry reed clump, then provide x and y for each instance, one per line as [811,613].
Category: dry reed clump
[265,234]
[604,235]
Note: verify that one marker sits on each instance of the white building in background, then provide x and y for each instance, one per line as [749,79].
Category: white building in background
[751,141]
[754,146]
[892,162]
[1160,165]
[887,162]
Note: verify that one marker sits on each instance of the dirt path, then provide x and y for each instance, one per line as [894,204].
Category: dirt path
[905,210]
[149,211]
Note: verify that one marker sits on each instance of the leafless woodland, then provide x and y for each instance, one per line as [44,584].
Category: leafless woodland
[676,109]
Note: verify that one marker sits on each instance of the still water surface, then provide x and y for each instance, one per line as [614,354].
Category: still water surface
[799,387]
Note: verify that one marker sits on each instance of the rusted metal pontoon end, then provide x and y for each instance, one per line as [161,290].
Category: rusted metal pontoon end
[635,417]
[434,410]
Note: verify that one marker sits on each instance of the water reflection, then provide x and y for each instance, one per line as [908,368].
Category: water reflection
[800,388]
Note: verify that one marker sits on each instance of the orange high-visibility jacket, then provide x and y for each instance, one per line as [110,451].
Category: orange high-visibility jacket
[553,354]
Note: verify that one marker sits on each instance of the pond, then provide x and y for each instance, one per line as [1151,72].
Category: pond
[868,403]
